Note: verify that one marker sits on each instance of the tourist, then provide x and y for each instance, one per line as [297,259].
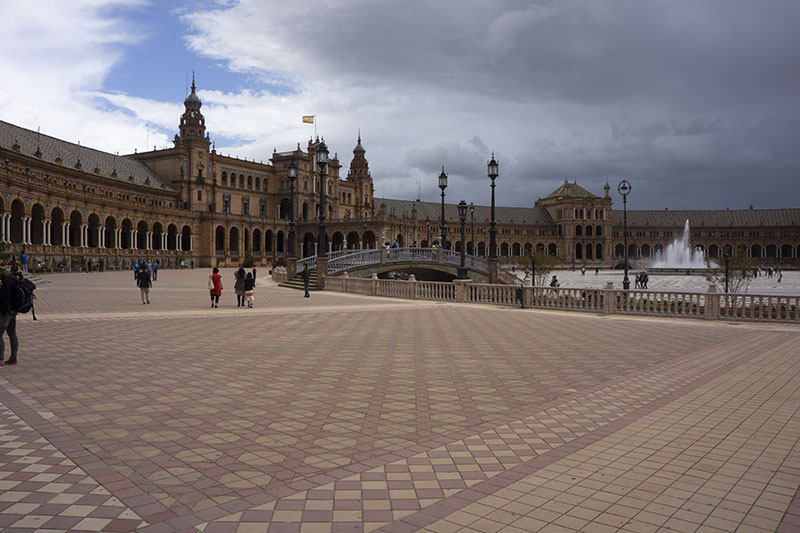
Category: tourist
[89,266]
[102,265]
[645,279]
[597,271]
[215,287]
[8,317]
[636,281]
[249,289]
[583,271]
[306,278]
[144,282]
[135,268]
[779,274]
[155,271]
[23,258]
[238,286]
[554,282]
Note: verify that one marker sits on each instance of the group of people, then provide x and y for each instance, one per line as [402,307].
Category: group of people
[640,282]
[244,286]
[18,263]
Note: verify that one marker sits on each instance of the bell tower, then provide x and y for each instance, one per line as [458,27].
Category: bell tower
[195,165]
[360,176]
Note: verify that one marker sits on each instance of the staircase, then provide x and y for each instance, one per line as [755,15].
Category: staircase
[297,282]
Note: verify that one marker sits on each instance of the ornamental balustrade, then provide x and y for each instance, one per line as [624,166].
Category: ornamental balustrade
[344,260]
[709,305]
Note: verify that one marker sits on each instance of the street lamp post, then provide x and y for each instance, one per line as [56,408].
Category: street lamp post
[443,186]
[492,170]
[292,171]
[364,237]
[322,160]
[624,189]
[472,220]
[727,257]
[462,215]
[428,225]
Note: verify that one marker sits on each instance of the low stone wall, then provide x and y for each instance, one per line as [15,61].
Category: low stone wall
[709,305]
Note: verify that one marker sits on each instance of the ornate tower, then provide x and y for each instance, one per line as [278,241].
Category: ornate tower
[360,176]
[195,164]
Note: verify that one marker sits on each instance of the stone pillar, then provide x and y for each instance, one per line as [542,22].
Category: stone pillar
[322,271]
[527,293]
[3,229]
[712,303]
[493,270]
[609,299]
[163,241]
[461,290]
[101,237]
[374,287]
[65,234]
[291,267]
[191,242]
[84,234]
[384,254]
[134,244]
[412,287]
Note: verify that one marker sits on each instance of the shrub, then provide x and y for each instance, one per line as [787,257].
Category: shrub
[249,261]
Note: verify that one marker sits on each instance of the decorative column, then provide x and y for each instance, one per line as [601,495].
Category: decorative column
[3,229]
[64,234]
[134,244]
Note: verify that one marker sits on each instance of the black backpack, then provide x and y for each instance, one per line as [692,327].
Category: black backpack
[22,301]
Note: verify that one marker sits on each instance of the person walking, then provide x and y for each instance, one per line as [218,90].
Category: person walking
[8,317]
[23,258]
[249,289]
[155,271]
[215,287]
[144,282]
[238,286]
[306,278]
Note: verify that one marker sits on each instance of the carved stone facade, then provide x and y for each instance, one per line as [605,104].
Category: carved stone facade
[66,204]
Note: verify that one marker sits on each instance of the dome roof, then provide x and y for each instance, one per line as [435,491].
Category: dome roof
[192,100]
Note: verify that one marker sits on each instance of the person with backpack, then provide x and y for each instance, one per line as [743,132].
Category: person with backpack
[144,282]
[8,317]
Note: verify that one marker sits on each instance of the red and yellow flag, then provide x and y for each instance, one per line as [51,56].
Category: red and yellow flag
[308,119]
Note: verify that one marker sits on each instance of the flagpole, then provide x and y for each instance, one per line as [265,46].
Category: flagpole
[315,126]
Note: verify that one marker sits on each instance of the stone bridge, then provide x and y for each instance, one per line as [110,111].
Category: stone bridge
[364,263]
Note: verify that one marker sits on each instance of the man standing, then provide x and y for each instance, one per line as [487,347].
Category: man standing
[23,258]
[8,317]
[155,270]
[144,283]
[306,277]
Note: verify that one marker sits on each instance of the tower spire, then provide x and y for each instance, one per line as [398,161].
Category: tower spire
[193,81]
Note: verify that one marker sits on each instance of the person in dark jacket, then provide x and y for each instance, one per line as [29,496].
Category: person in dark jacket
[238,286]
[306,277]
[249,289]
[8,317]
[144,283]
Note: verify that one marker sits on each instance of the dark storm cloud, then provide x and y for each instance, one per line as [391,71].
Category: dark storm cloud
[697,103]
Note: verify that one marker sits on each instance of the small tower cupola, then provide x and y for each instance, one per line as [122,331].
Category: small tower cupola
[193,124]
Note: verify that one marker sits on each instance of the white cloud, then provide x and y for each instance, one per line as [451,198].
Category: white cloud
[56,56]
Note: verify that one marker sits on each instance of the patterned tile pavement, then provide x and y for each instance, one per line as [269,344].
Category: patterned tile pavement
[349,413]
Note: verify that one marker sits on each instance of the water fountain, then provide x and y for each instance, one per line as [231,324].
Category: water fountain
[679,254]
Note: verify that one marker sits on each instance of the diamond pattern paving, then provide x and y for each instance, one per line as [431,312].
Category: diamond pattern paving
[337,412]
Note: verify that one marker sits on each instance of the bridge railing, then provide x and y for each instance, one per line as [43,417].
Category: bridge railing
[709,305]
[306,263]
[354,260]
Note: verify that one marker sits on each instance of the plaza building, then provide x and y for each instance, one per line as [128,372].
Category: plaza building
[67,205]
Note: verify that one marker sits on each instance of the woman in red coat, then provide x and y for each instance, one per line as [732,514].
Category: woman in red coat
[215,287]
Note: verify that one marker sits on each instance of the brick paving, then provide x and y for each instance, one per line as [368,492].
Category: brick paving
[351,413]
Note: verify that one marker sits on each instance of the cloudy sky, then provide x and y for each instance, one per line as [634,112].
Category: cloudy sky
[696,103]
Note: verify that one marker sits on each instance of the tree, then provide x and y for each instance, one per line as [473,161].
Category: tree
[741,269]
[538,264]
[249,260]
[5,255]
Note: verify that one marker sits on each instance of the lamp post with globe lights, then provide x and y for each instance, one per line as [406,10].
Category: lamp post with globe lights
[493,171]
[462,216]
[443,232]
[322,161]
[624,189]
[292,171]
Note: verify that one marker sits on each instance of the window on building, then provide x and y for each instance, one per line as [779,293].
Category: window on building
[263,208]
[226,203]
[250,183]
[245,205]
